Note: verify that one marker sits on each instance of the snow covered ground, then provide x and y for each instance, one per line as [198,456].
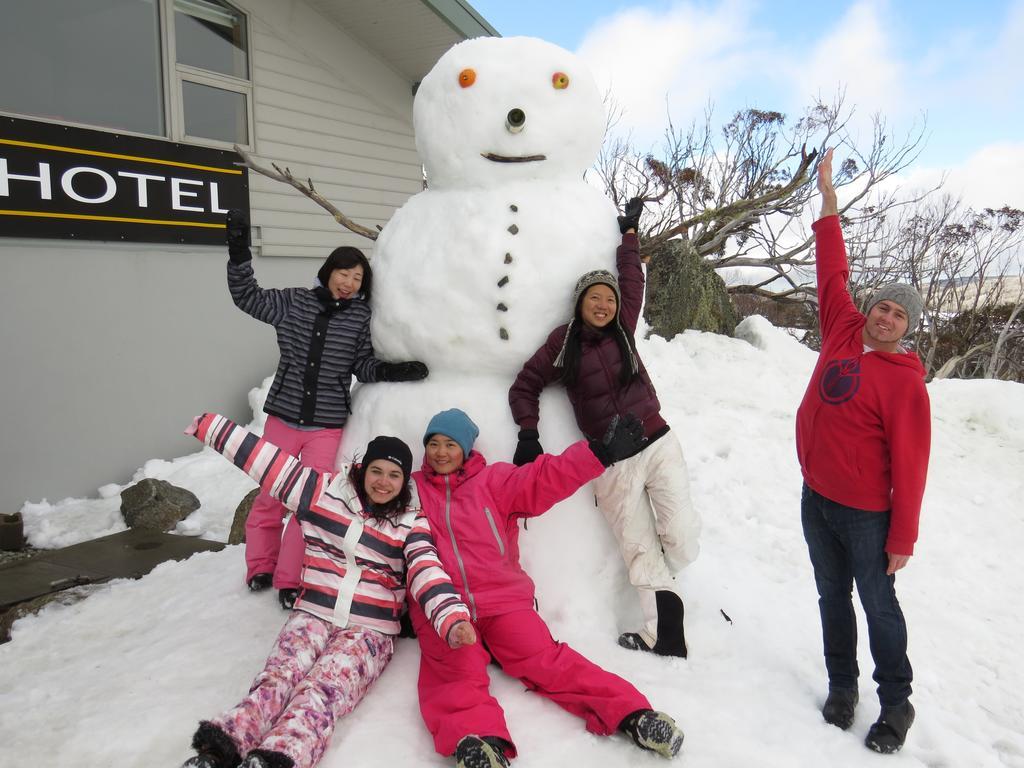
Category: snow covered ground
[120,679]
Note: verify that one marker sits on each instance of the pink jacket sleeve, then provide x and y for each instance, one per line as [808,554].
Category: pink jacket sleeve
[534,488]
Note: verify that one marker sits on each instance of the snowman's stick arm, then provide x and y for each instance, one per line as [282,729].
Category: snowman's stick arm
[285,176]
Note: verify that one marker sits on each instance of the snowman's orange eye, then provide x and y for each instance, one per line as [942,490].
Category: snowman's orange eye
[467,77]
[560,80]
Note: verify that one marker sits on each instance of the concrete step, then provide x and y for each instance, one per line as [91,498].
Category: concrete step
[130,554]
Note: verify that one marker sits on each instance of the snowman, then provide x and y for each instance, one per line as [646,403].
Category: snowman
[471,274]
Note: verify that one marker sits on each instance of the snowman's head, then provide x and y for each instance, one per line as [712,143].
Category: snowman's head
[499,109]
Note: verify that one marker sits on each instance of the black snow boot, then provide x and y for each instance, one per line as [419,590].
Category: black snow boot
[214,747]
[887,734]
[839,707]
[266,758]
[481,752]
[671,638]
[287,598]
[653,731]
[261,581]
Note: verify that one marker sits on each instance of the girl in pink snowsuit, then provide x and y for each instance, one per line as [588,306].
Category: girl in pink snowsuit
[474,511]
[366,539]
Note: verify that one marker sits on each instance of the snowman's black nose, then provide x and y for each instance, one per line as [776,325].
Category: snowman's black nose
[515,120]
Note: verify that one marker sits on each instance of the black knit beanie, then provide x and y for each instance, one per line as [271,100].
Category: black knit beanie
[390,449]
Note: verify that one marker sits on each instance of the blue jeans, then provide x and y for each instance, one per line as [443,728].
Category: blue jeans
[847,545]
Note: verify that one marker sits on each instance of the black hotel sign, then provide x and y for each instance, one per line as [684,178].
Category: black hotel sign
[62,182]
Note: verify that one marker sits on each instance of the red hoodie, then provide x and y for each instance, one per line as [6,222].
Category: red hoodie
[863,430]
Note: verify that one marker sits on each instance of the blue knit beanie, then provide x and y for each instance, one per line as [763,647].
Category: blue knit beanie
[455,424]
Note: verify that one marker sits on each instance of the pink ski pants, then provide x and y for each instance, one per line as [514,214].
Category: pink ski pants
[455,700]
[265,549]
[316,674]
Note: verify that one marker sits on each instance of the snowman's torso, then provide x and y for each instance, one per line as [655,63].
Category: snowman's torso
[474,280]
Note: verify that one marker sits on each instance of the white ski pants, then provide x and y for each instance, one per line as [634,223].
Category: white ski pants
[646,501]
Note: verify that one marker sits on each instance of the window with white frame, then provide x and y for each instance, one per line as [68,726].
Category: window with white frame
[173,68]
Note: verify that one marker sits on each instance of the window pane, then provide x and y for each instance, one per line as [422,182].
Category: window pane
[214,113]
[90,61]
[210,35]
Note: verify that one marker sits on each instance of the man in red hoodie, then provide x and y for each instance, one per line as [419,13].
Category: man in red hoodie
[863,434]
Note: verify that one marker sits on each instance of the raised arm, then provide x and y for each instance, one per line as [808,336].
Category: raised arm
[278,473]
[266,305]
[836,309]
[829,204]
[430,586]
[627,262]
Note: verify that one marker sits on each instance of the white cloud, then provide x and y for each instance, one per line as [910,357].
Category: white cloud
[857,56]
[988,178]
[680,58]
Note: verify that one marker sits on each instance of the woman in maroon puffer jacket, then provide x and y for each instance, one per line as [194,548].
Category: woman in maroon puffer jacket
[594,357]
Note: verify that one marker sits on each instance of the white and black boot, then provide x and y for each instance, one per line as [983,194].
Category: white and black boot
[481,752]
[653,731]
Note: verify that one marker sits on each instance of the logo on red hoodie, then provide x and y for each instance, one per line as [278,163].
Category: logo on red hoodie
[839,381]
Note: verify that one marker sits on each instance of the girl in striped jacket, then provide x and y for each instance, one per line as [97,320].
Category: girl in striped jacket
[323,335]
[367,540]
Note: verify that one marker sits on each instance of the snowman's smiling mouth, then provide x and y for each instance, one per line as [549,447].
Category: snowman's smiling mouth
[517,159]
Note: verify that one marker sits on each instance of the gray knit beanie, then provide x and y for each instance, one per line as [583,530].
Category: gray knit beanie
[906,296]
[596,277]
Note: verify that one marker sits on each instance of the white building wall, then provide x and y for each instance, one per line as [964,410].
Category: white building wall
[109,349]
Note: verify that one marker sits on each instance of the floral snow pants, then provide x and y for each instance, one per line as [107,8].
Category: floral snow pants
[265,550]
[316,674]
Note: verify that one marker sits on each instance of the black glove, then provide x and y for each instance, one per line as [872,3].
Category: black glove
[413,370]
[238,236]
[623,438]
[630,218]
[529,447]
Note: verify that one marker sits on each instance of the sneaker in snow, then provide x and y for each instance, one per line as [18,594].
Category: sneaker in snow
[475,752]
[654,731]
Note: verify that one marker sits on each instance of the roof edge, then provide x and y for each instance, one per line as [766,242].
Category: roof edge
[462,18]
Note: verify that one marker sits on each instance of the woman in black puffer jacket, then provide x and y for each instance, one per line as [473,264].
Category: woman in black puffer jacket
[594,357]
[323,334]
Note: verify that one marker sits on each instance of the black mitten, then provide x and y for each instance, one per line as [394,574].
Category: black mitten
[413,370]
[238,236]
[529,447]
[630,218]
[623,438]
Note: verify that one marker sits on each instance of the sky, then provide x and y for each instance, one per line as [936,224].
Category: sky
[954,65]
